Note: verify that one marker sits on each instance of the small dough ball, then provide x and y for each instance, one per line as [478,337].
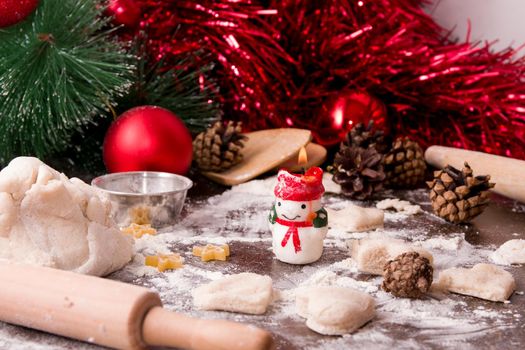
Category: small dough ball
[354,218]
[485,281]
[334,310]
[510,252]
[246,292]
[371,254]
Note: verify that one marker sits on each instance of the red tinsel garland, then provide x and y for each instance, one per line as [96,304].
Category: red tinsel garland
[229,34]
[281,68]
[436,91]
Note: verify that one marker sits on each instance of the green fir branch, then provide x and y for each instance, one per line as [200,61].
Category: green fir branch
[181,88]
[177,88]
[59,69]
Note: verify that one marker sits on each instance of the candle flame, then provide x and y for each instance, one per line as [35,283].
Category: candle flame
[302,159]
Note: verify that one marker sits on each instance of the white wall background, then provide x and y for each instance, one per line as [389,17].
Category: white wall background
[502,20]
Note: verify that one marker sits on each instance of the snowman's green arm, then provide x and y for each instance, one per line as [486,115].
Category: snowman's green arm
[273,215]
[321,220]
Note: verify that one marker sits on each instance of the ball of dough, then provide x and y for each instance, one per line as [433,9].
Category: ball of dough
[246,292]
[485,281]
[334,310]
[510,252]
[49,220]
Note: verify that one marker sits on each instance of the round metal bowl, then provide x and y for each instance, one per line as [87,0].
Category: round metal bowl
[145,196]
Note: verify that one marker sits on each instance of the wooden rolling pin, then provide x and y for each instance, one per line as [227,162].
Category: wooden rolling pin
[507,173]
[111,313]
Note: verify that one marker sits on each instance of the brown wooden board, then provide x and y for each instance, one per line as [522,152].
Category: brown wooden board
[263,151]
[503,220]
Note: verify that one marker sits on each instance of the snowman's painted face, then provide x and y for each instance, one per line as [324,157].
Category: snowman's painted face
[296,211]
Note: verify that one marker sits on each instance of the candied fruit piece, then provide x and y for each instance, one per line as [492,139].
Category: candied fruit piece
[140,215]
[170,262]
[138,231]
[212,252]
[165,262]
[152,260]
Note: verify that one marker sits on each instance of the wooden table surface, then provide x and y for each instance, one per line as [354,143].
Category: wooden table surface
[503,220]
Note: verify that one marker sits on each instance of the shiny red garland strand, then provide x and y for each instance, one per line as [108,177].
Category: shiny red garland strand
[436,91]
[231,35]
[285,63]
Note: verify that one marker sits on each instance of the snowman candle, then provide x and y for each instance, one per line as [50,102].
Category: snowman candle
[297,220]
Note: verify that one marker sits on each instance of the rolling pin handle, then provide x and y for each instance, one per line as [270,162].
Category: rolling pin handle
[164,328]
[506,172]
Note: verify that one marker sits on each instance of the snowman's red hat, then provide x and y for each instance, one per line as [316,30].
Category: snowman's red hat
[299,187]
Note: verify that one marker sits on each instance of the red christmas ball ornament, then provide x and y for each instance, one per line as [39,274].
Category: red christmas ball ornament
[339,114]
[14,11]
[148,138]
[124,12]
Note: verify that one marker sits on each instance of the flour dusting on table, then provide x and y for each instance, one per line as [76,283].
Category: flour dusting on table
[239,217]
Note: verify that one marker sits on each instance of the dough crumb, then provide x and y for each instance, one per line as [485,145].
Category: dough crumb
[246,292]
[399,205]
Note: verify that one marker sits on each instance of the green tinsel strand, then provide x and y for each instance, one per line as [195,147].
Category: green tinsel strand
[58,70]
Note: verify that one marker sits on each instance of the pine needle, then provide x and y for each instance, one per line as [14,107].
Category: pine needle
[58,70]
[187,92]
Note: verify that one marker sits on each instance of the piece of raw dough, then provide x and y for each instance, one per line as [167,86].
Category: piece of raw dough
[246,292]
[399,205]
[47,219]
[510,252]
[334,310]
[371,254]
[329,185]
[485,281]
[354,218]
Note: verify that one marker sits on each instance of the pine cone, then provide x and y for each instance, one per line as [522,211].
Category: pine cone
[458,196]
[359,171]
[219,147]
[365,137]
[409,275]
[404,164]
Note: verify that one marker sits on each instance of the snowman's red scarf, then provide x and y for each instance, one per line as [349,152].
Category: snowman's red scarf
[292,231]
